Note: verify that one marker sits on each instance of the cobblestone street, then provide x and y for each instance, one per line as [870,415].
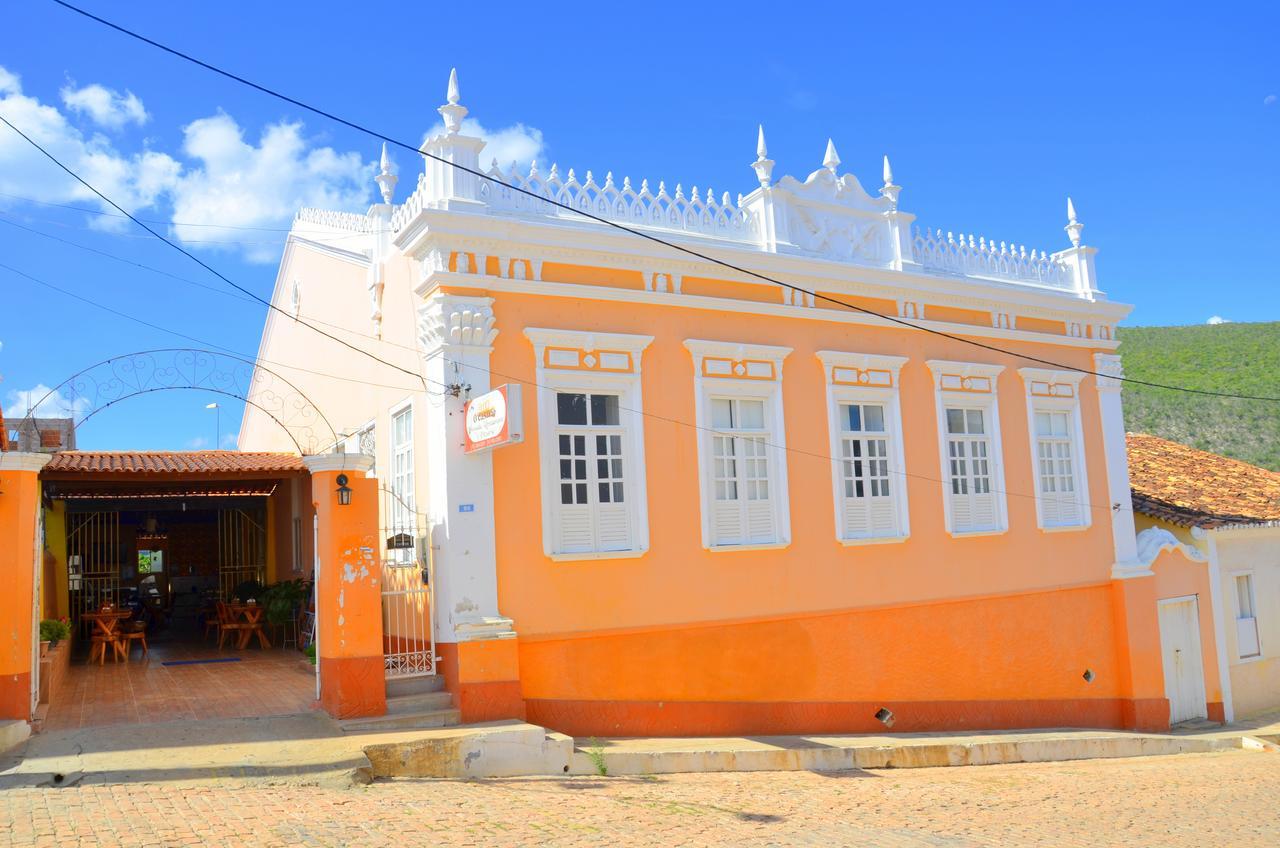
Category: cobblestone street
[1197,799]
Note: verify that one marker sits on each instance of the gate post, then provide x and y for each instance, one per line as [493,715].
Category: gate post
[348,587]
[19,556]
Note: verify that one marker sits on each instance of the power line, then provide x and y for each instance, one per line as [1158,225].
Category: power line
[205,265]
[215,242]
[656,416]
[639,233]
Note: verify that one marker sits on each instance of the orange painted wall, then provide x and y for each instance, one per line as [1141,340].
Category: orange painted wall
[19,505]
[678,582]
[1177,576]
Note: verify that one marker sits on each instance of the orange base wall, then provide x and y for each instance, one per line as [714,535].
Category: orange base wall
[483,677]
[1012,661]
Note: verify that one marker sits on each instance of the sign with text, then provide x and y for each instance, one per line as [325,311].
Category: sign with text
[494,419]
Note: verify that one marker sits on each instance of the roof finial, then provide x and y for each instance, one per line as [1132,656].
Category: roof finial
[386,180]
[889,190]
[831,160]
[1073,226]
[453,86]
[763,165]
[453,112]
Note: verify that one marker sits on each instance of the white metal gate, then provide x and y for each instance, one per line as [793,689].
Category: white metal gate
[408,591]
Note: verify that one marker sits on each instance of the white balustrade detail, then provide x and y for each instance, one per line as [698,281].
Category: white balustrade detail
[698,213]
[349,221]
[980,257]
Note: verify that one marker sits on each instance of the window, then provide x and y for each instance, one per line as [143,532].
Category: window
[741,444]
[591,444]
[1247,643]
[970,446]
[740,470]
[402,533]
[1057,449]
[593,490]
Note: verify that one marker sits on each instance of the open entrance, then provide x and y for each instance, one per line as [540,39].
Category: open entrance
[186,581]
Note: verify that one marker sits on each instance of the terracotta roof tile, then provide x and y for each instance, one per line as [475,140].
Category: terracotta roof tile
[172,462]
[1195,488]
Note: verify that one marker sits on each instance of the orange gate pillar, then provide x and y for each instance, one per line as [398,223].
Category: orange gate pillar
[348,586]
[1145,706]
[19,558]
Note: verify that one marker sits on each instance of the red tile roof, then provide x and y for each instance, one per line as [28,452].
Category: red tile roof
[1195,488]
[172,462]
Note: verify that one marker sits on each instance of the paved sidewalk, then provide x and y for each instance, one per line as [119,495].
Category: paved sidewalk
[1184,800]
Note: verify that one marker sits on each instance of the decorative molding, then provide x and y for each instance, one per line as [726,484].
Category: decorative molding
[969,377]
[354,462]
[584,350]
[862,370]
[1110,371]
[1048,383]
[1155,540]
[453,320]
[732,360]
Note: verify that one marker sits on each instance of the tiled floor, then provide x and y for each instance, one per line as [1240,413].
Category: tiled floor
[262,682]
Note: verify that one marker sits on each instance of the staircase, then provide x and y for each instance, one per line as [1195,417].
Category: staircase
[413,703]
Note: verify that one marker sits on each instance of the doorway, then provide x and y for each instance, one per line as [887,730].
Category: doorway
[1183,661]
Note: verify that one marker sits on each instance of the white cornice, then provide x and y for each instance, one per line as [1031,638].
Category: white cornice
[353,256]
[1049,375]
[702,348]
[964,369]
[588,244]
[861,361]
[749,307]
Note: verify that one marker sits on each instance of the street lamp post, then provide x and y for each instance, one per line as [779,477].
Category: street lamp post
[217,425]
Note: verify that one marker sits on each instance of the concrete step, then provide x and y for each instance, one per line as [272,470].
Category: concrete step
[494,749]
[402,721]
[414,685]
[424,703]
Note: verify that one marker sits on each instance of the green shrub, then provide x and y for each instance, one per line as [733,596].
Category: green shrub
[54,629]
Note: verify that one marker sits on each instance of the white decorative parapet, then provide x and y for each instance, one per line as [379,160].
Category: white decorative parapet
[967,256]
[349,221]
[698,213]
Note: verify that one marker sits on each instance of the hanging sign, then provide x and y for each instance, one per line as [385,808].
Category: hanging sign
[493,419]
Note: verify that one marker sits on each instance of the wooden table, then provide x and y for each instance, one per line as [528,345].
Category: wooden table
[252,615]
[105,624]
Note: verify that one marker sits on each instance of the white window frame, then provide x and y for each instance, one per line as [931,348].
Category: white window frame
[742,385]
[866,378]
[1058,391]
[955,385]
[591,377]
[1235,604]
[403,555]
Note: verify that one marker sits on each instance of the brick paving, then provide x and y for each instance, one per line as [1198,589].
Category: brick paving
[1195,799]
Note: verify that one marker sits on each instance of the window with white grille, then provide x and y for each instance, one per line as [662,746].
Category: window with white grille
[969,443]
[1056,473]
[1247,643]
[741,444]
[402,530]
[1057,448]
[591,444]
[592,514]
[742,508]
[867,485]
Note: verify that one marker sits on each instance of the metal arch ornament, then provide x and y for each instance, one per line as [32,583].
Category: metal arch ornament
[119,378]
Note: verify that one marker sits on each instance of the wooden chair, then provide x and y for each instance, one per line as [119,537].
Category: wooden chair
[98,642]
[211,620]
[133,631]
[228,624]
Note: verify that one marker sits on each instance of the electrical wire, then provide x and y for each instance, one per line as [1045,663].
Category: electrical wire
[639,233]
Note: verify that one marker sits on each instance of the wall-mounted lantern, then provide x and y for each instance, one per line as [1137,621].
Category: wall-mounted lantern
[344,491]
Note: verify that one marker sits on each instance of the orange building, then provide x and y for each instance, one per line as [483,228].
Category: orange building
[895,494]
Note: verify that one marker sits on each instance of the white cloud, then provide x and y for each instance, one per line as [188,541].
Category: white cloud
[135,181]
[516,143]
[1218,319]
[238,184]
[1269,100]
[56,405]
[197,443]
[106,107]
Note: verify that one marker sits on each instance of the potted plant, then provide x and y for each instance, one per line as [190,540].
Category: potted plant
[53,631]
[283,599]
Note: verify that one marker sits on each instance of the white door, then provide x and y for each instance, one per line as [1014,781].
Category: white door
[1183,664]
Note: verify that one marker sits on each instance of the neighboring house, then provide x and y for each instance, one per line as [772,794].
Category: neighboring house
[1230,512]
[39,435]
[735,507]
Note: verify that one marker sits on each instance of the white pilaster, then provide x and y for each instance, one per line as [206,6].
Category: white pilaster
[1115,450]
[456,334]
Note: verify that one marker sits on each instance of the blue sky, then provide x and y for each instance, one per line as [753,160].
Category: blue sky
[1162,124]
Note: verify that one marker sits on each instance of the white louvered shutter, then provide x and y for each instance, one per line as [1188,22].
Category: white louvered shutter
[869,510]
[742,506]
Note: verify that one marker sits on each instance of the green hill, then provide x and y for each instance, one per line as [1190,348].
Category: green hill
[1237,358]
